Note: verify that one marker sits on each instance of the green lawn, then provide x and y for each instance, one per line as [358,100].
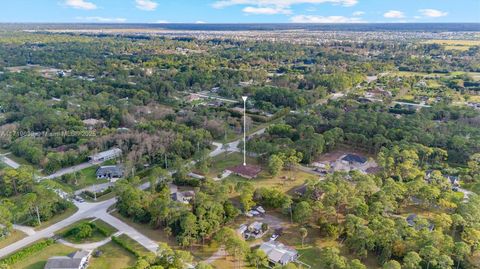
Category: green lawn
[475,187]
[285,180]
[39,260]
[113,257]
[223,161]
[13,237]
[134,244]
[105,226]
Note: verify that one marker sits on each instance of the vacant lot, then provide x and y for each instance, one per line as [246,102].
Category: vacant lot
[113,257]
[456,44]
[13,237]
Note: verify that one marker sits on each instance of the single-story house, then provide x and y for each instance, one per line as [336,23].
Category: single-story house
[183,197]
[93,123]
[106,155]
[354,159]
[412,222]
[76,260]
[246,171]
[315,194]
[110,172]
[278,253]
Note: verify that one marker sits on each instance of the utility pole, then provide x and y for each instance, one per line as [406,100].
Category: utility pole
[38,215]
[244,130]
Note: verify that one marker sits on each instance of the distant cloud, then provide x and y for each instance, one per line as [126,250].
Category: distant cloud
[432,13]
[147,5]
[102,19]
[266,10]
[394,14]
[162,21]
[279,4]
[324,19]
[200,22]
[80,4]
[358,13]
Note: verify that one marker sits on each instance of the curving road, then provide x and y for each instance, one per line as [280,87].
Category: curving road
[99,210]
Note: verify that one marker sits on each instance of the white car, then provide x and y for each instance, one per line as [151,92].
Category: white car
[260,209]
[274,237]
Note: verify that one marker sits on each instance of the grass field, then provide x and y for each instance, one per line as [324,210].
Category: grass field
[285,180]
[14,236]
[39,260]
[475,187]
[134,244]
[462,45]
[113,257]
[105,226]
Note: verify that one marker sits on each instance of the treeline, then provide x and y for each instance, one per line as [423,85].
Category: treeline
[210,209]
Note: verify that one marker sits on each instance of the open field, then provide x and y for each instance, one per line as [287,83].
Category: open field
[134,244]
[475,187]
[14,236]
[39,260]
[113,257]
[285,180]
[462,45]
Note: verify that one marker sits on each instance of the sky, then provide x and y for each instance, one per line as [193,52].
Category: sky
[239,11]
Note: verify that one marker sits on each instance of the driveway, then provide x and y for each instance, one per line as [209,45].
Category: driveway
[69,170]
[9,161]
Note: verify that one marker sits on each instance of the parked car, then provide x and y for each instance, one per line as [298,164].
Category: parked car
[274,237]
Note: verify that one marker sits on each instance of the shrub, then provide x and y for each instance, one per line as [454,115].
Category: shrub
[126,245]
[28,251]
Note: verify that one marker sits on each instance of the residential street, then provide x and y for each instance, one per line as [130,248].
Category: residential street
[8,161]
[69,170]
[99,210]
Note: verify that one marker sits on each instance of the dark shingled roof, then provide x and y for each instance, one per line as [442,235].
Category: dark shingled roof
[352,158]
[250,171]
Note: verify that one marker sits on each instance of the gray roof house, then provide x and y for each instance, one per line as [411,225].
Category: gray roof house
[110,171]
[76,260]
[183,197]
[278,253]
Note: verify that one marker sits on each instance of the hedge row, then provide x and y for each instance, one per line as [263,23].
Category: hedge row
[99,194]
[24,253]
[124,244]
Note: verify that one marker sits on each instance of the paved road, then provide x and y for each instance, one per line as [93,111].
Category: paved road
[131,232]
[25,229]
[99,210]
[9,161]
[216,98]
[95,188]
[69,170]
[85,210]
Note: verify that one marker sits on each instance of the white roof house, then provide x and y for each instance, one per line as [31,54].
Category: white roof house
[278,253]
[106,155]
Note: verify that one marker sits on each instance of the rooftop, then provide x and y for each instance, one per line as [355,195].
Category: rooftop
[72,261]
[353,158]
[249,171]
